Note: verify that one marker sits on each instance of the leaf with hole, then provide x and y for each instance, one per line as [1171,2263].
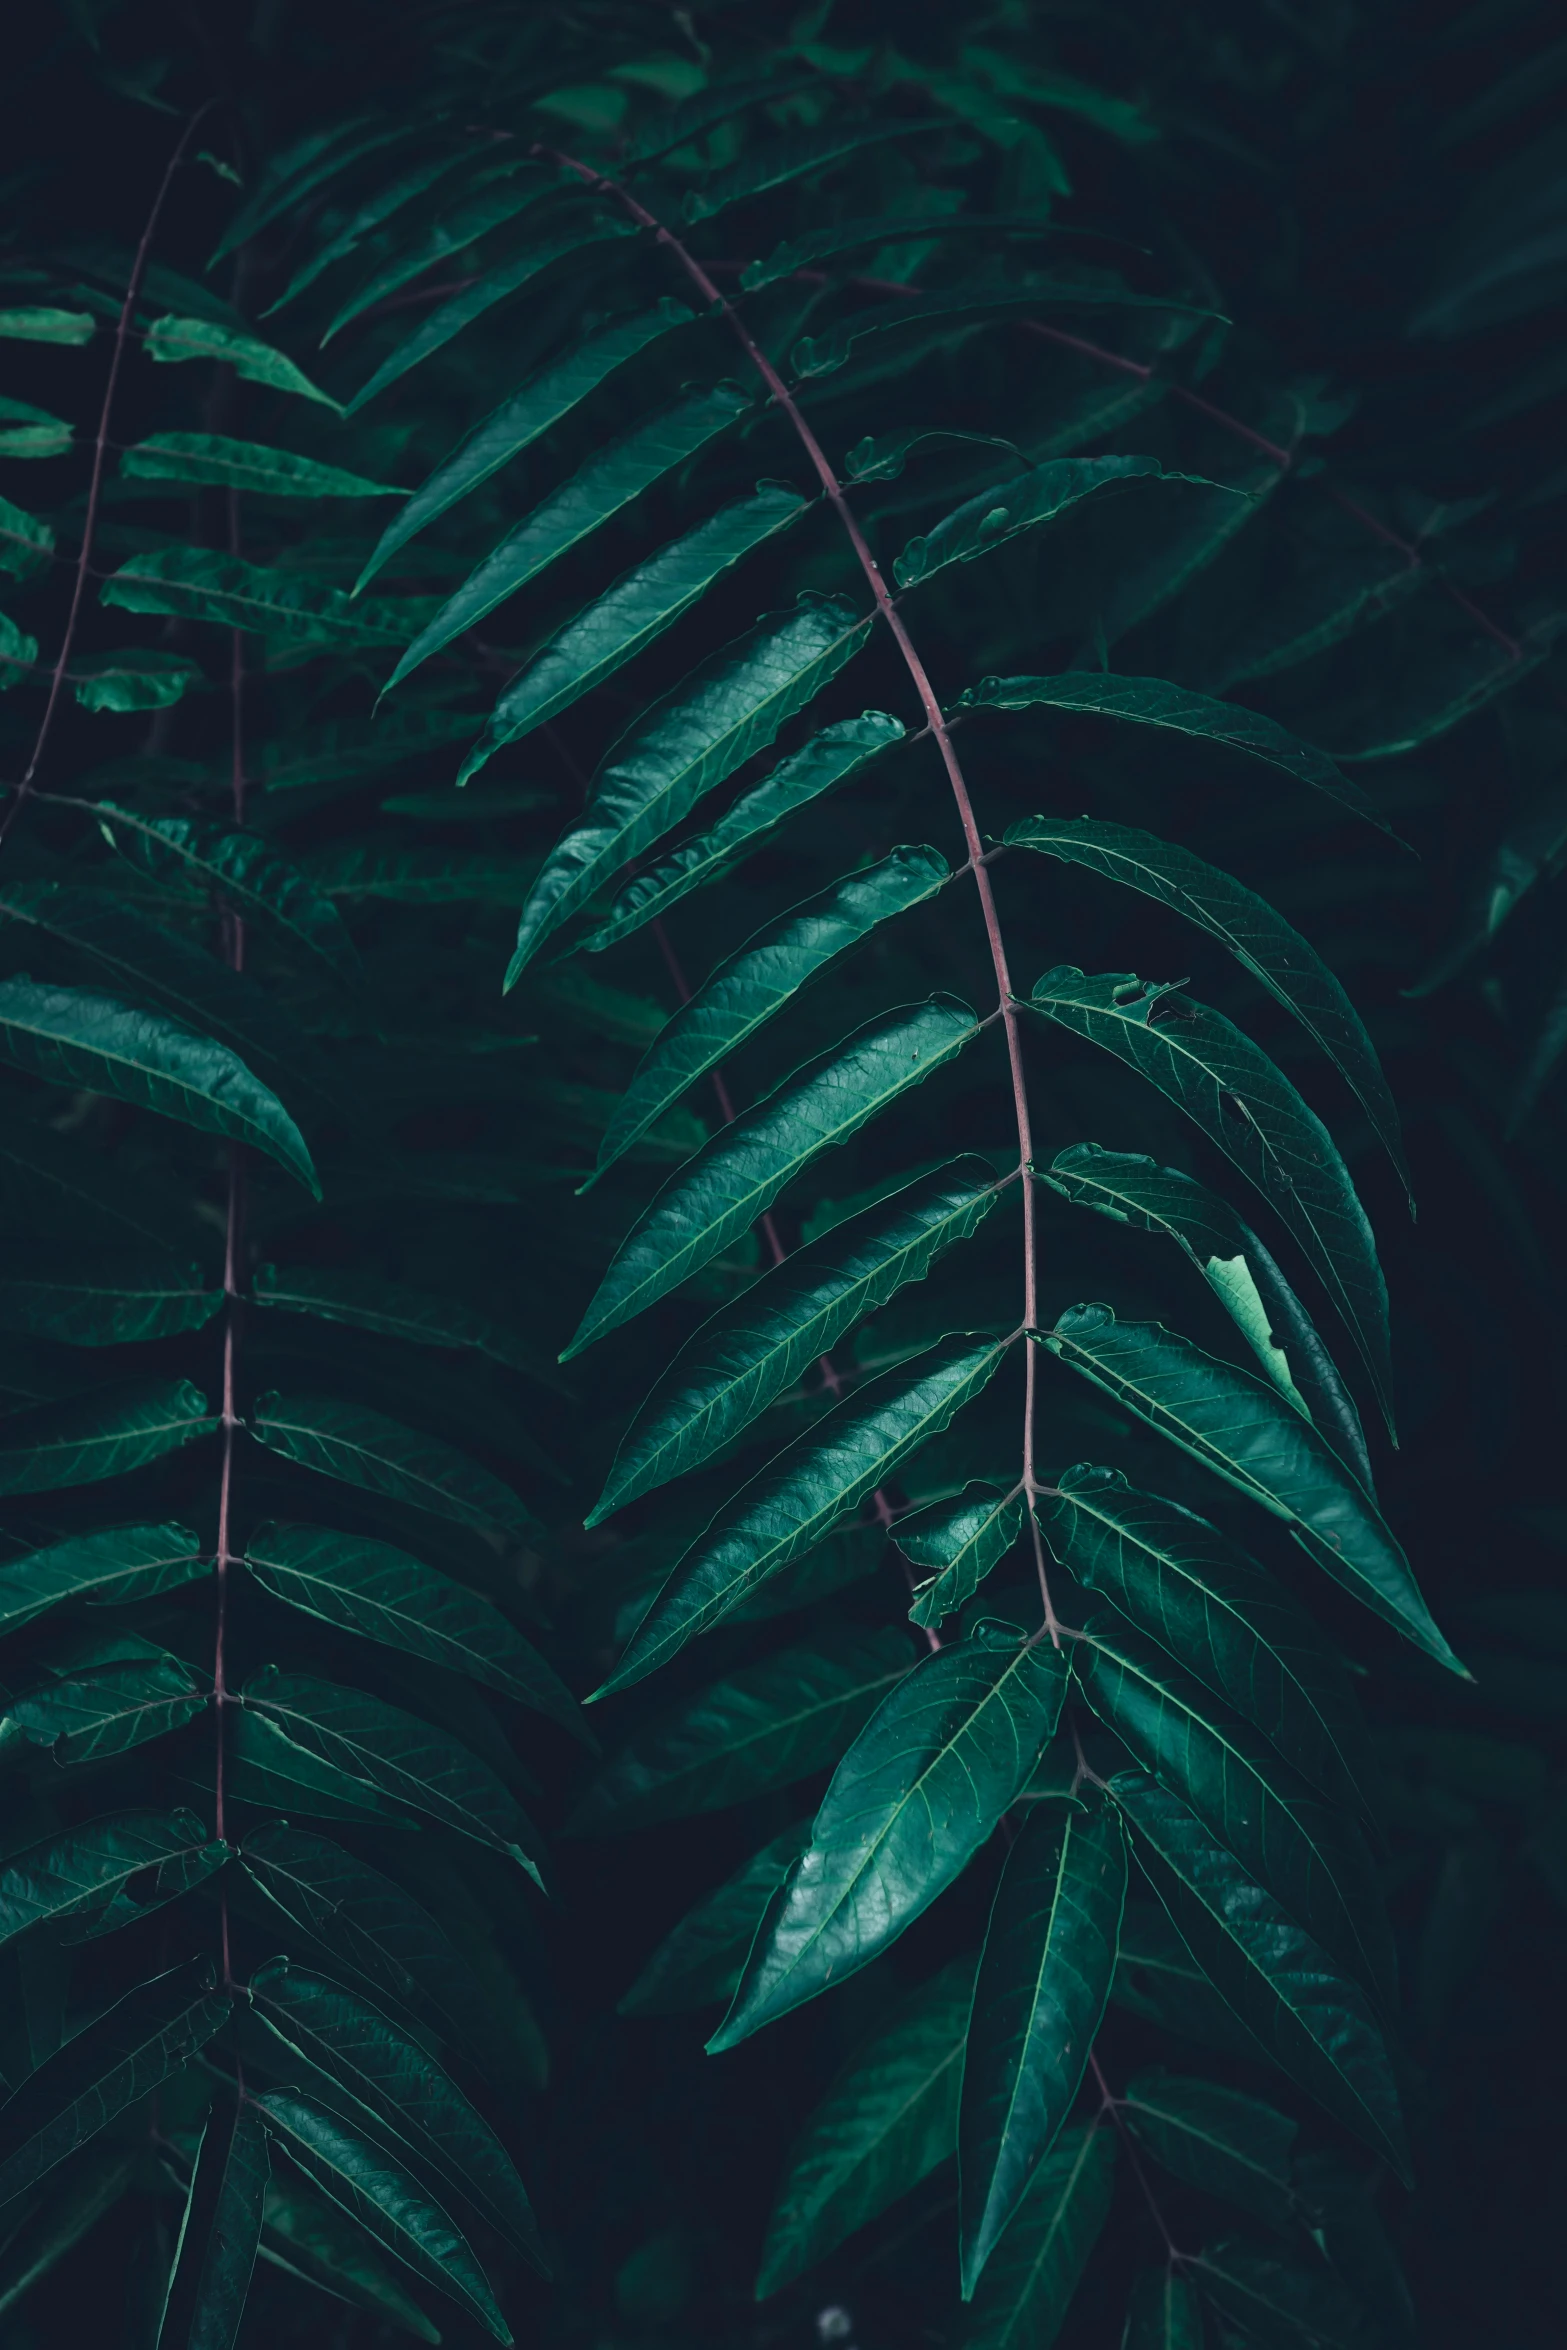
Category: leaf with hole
[1217,2139]
[220,2231]
[1027,2288]
[215,461]
[700,1962]
[362,1447]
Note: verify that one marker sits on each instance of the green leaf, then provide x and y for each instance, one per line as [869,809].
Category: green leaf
[1028,2285]
[1280,2299]
[72,2206]
[1152,701]
[101,1300]
[219,2233]
[1238,1629]
[1217,2139]
[739,1174]
[1164,2312]
[716,719]
[397,1755]
[170,339]
[1136,1190]
[316,2241]
[600,489]
[889,2118]
[1261,940]
[512,188]
[377,208]
[1245,1104]
[18,653]
[26,431]
[39,325]
[1309,2017]
[362,2052]
[387,2203]
[191,583]
[700,1963]
[631,615]
[778,162]
[818,355]
[1010,507]
[421,877]
[1157,1978]
[266,1768]
[763,1727]
[243,869]
[95,1043]
[85,1869]
[917,1794]
[307,164]
[26,544]
[755,1349]
[84,1717]
[542,402]
[124,1563]
[172,1878]
[960,1542]
[1529,851]
[112,2063]
[1329,602]
[828,759]
[370,1588]
[1043,1981]
[851,236]
[812,1486]
[389,1310]
[213,460]
[1248,1436]
[139,678]
[106,1433]
[883,456]
[362,1447]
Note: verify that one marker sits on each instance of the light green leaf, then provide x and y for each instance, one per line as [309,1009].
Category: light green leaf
[220,2231]
[1164,2312]
[601,488]
[1309,2017]
[917,1794]
[84,1717]
[739,1174]
[1238,1629]
[889,2118]
[390,1311]
[763,1727]
[959,1542]
[387,2203]
[1217,2139]
[812,1486]
[26,431]
[245,870]
[716,719]
[125,1563]
[213,459]
[1045,1975]
[1134,1189]
[41,325]
[938,315]
[191,583]
[371,1588]
[828,759]
[395,1754]
[170,339]
[756,1348]
[1231,1089]
[115,2061]
[700,1963]
[631,615]
[94,1043]
[1261,940]
[778,162]
[1152,701]
[26,544]
[362,1447]
[104,1434]
[852,236]
[18,653]
[542,402]
[1028,2285]
[1280,2298]
[1248,1436]
[100,1300]
[1010,507]
[85,1869]
[73,2205]
[512,188]
[139,678]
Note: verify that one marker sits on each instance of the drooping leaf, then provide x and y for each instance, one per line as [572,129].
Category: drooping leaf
[849,236]
[71,2206]
[1220,2140]
[116,2060]
[26,543]
[812,1486]
[421,877]
[192,583]
[1237,1628]
[912,1801]
[700,1962]
[214,460]
[1164,2312]
[70,1037]
[170,339]
[1152,701]
[1244,1103]
[38,324]
[940,315]
[387,2203]
[778,162]
[102,1300]
[362,1447]
[1242,1430]
[266,1768]
[631,615]
[1157,1978]
[1261,940]
[1312,2020]
[83,1870]
[828,759]
[122,1563]
[1281,2299]
[137,678]
[389,1310]
[1028,2286]
[220,2231]
[26,431]
[959,1542]
[732,707]
[377,208]
[84,1716]
[1008,508]
[1329,602]
[739,1174]
[103,1434]
[889,2118]
[497,196]
[305,165]
[1049,1957]
[313,2239]
[763,1727]
[372,1588]
[395,1754]
[752,1351]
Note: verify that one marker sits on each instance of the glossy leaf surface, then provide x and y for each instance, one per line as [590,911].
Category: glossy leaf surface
[76,1873]
[121,1563]
[244,870]
[700,1962]
[171,339]
[104,1434]
[1023,502]
[958,1542]
[220,2232]
[214,460]
[1027,2289]
[362,1447]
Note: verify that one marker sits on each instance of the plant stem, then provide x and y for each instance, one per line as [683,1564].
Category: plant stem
[1111,2106]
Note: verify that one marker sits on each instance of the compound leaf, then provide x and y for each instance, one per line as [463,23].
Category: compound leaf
[362,1447]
